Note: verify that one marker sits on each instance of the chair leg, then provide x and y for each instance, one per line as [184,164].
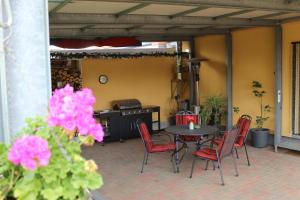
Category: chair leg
[236,152]
[193,165]
[206,167]
[147,159]
[214,166]
[235,165]
[145,155]
[173,162]
[247,154]
[221,173]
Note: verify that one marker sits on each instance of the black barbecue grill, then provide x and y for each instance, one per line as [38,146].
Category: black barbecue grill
[131,107]
[122,118]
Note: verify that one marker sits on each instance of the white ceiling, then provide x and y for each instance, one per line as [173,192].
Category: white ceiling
[95,7]
[213,12]
[115,9]
[66,26]
[159,9]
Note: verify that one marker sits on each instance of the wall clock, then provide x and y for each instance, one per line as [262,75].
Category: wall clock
[103,79]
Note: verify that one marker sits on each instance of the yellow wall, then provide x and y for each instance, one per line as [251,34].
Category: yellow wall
[253,59]
[213,71]
[186,46]
[290,33]
[147,79]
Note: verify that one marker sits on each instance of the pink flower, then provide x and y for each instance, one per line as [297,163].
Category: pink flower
[30,152]
[96,131]
[73,110]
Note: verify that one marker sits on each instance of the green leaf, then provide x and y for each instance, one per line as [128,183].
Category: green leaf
[52,192]
[256,84]
[95,180]
[27,190]
[69,192]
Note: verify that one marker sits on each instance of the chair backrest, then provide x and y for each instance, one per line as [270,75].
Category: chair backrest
[243,125]
[145,135]
[228,142]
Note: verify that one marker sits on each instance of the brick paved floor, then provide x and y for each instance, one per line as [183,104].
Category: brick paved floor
[271,176]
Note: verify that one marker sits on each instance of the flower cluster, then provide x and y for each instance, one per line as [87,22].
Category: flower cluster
[30,151]
[74,110]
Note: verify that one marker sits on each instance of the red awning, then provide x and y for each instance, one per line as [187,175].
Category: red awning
[80,43]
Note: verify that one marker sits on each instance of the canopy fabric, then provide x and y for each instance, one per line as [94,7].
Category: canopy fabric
[81,43]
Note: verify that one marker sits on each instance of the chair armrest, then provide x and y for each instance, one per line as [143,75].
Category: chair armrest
[157,141]
[163,133]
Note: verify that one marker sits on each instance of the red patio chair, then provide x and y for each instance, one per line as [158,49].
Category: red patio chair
[243,126]
[218,154]
[150,147]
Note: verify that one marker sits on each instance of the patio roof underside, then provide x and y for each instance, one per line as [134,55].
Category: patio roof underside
[163,19]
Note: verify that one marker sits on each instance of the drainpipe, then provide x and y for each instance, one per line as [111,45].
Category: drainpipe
[278,86]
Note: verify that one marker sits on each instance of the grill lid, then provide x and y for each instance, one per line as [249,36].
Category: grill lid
[126,104]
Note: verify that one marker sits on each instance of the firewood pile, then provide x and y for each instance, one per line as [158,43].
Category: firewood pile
[62,74]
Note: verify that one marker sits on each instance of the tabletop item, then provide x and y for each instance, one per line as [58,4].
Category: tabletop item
[191,125]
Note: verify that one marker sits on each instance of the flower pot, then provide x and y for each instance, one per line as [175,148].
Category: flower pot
[260,137]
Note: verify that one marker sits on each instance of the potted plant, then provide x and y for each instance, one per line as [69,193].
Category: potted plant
[212,110]
[44,161]
[260,134]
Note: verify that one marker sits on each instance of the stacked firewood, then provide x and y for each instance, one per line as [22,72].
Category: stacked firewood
[65,75]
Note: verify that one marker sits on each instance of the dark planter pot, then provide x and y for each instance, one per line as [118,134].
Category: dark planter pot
[260,137]
[172,120]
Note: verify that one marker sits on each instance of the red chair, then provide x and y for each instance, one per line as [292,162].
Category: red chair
[150,147]
[243,126]
[218,154]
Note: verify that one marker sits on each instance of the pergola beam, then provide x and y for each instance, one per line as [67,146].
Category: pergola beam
[233,14]
[190,11]
[279,5]
[145,38]
[72,18]
[59,6]
[163,38]
[270,15]
[132,32]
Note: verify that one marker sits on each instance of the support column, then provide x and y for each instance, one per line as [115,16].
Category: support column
[278,85]
[191,74]
[27,63]
[4,130]
[229,79]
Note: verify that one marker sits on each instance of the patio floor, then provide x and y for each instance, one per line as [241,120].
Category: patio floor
[270,176]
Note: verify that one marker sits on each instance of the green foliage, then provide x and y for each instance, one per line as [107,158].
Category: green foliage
[236,109]
[214,107]
[65,178]
[258,92]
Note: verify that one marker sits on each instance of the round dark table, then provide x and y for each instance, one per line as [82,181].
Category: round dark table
[180,130]
[184,130]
